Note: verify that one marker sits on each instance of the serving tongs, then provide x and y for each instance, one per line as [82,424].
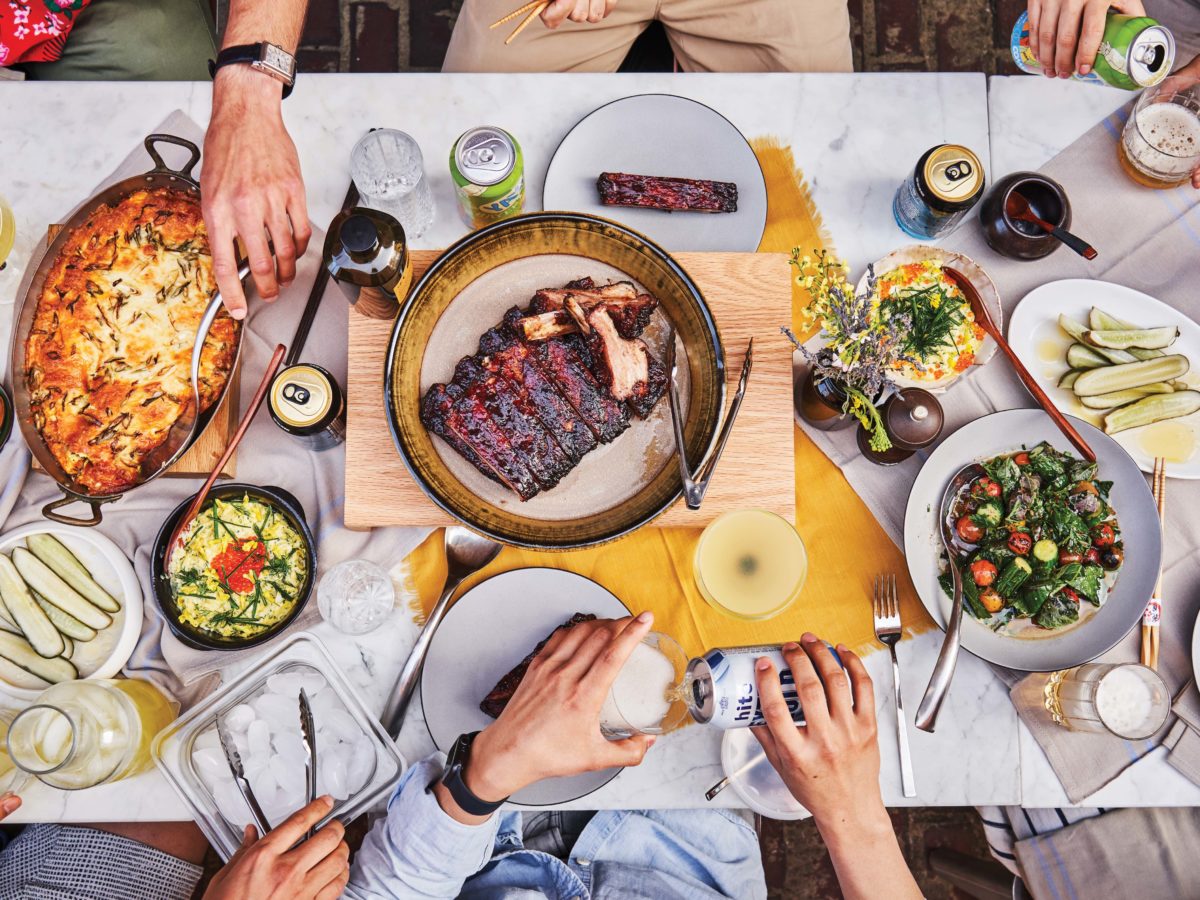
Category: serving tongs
[309,731]
[695,487]
[239,778]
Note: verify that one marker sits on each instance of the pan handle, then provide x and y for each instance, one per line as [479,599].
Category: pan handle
[160,164]
[49,512]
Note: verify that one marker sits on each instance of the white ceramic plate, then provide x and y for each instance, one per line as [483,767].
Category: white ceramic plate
[485,634]
[1137,515]
[106,654]
[759,785]
[1196,650]
[1034,335]
[979,279]
[690,140]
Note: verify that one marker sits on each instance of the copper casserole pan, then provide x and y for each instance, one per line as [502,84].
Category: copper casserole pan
[161,176]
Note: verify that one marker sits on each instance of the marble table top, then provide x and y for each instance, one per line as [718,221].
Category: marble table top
[854,136]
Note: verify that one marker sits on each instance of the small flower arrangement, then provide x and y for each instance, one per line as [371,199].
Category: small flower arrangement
[860,345]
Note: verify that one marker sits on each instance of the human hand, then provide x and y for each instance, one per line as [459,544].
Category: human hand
[577,11]
[251,187]
[830,764]
[9,803]
[1182,79]
[270,869]
[1065,35]
[551,726]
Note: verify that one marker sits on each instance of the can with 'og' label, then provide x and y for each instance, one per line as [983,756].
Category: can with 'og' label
[488,169]
[306,402]
[946,183]
[723,689]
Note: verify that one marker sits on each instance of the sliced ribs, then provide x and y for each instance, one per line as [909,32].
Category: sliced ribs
[671,194]
[631,315]
[627,368]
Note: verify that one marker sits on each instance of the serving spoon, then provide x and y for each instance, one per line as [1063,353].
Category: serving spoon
[466,553]
[943,669]
[1017,207]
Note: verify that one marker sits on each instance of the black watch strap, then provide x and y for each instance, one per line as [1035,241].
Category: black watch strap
[273,61]
[452,778]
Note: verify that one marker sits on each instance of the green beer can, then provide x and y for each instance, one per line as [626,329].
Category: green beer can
[489,175]
[1135,52]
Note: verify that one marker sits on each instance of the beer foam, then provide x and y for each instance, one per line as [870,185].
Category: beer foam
[1170,128]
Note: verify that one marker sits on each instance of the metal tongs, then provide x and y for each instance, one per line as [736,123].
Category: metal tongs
[694,488]
[308,729]
[239,778]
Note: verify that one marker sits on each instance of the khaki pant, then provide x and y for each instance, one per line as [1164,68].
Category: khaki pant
[706,36]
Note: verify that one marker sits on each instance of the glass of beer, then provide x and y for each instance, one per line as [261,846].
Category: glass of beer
[1128,700]
[750,564]
[648,696]
[1161,143]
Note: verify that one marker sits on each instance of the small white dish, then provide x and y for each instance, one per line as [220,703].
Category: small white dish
[754,779]
[106,654]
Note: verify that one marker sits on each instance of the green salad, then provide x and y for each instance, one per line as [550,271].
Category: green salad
[1042,543]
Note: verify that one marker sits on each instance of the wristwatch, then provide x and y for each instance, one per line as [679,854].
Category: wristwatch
[269,59]
[452,778]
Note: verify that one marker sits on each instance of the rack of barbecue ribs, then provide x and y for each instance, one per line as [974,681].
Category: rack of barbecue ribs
[493,704]
[671,194]
[549,384]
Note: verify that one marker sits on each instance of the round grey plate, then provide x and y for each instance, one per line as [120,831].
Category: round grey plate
[490,629]
[1137,515]
[664,135]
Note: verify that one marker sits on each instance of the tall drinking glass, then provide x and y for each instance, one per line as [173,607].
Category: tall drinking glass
[1128,700]
[389,172]
[1161,143]
[648,694]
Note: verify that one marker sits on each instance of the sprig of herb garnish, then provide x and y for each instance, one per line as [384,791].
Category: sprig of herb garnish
[927,318]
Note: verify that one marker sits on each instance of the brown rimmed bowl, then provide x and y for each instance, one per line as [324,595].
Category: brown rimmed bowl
[525,236]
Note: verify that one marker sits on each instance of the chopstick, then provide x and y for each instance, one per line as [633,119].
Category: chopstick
[534,8]
[1152,617]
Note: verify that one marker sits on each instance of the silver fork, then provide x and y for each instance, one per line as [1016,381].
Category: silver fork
[886,612]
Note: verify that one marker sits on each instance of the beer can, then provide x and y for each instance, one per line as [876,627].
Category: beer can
[723,690]
[946,183]
[1135,52]
[366,254]
[488,170]
[305,401]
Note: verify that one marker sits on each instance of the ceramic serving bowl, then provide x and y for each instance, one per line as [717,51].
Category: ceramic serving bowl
[287,506]
[549,235]
[1022,240]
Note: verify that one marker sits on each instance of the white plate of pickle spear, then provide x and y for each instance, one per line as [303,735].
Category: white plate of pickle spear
[70,607]
[1121,360]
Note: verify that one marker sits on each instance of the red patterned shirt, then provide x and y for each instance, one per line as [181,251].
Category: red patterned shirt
[35,30]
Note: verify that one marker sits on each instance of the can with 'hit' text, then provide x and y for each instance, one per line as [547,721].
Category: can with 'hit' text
[488,170]
[306,402]
[723,689]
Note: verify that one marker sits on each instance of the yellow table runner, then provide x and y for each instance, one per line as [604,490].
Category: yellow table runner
[652,568]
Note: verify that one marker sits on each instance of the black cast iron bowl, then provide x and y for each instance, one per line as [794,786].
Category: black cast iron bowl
[288,506]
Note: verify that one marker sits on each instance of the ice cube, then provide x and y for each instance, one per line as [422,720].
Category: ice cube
[208,739]
[360,765]
[291,749]
[265,785]
[292,780]
[279,711]
[211,764]
[258,736]
[239,718]
[339,724]
[286,684]
[323,702]
[331,776]
[231,806]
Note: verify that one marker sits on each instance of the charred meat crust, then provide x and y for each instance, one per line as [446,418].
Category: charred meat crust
[493,704]
[671,194]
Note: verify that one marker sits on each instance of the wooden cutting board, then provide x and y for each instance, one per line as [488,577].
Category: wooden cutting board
[207,449]
[750,294]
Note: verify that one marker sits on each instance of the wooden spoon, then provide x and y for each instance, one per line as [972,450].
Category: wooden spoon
[243,425]
[1017,207]
[984,319]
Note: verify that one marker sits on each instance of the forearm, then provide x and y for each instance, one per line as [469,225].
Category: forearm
[866,854]
[278,22]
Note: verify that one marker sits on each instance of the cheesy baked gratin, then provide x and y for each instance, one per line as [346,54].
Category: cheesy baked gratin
[109,355]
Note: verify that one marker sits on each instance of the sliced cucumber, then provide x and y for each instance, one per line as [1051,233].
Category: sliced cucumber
[1099,320]
[1068,378]
[67,566]
[67,624]
[1077,331]
[6,618]
[1130,375]
[19,652]
[1133,338]
[1080,356]
[1115,399]
[28,616]
[11,673]
[68,647]
[41,579]
[1156,408]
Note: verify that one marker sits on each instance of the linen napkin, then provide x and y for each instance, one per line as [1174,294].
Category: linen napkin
[1148,240]
[266,456]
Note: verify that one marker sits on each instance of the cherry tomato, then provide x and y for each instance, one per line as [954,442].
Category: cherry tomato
[983,572]
[1103,535]
[1020,543]
[987,487]
[1071,595]
[1092,557]
[1021,459]
[968,530]
[991,600]
[1065,558]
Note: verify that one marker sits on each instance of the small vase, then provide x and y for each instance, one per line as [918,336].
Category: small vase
[819,401]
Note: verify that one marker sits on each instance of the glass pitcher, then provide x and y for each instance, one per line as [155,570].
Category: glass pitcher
[82,733]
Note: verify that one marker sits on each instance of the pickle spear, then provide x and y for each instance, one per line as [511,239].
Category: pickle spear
[1148,410]
[1134,338]
[1130,375]
[1099,320]
[1120,398]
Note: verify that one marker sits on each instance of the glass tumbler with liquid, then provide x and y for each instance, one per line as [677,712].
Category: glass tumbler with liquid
[648,696]
[389,172]
[1128,700]
[750,564]
[82,733]
[1160,145]
[8,231]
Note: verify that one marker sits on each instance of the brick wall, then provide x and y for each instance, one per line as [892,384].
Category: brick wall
[889,35]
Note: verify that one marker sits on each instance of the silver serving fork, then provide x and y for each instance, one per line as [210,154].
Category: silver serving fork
[309,731]
[886,613]
[239,778]
[694,488]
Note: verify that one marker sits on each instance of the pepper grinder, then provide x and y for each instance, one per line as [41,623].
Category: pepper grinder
[913,419]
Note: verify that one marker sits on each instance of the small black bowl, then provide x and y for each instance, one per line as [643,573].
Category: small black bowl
[283,502]
[1023,240]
